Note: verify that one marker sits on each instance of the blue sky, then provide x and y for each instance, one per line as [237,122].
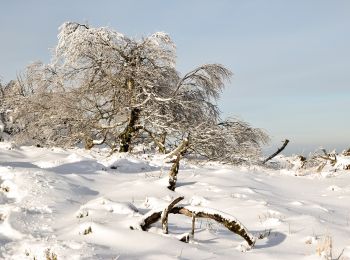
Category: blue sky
[290,59]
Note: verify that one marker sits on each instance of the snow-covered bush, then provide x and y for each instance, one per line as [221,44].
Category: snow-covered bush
[317,162]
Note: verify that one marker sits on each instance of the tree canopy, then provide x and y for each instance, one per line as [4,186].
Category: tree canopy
[103,87]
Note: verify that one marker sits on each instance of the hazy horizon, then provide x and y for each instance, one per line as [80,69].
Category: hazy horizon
[290,60]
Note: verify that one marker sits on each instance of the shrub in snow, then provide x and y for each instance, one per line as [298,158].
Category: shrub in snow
[318,162]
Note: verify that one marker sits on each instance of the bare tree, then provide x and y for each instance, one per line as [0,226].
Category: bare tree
[108,87]
[100,81]
[116,76]
[105,88]
[230,141]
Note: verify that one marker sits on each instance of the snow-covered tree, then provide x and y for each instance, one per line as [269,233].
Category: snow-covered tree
[103,87]
[97,86]
[230,141]
[9,95]
[119,79]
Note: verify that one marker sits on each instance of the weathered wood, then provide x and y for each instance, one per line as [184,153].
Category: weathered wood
[166,214]
[174,170]
[277,152]
[231,224]
[126,136]
[193,224]
[181,149]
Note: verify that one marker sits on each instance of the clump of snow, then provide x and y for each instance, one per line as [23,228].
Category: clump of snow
[130,165]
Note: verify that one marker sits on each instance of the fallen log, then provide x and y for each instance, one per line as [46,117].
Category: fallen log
[230,222]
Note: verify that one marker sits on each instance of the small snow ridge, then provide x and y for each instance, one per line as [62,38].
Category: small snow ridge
[271,218]
[320,207]
[131,165]
[107,205]
[271,222]
[5,227]
[296,203]
[47,163]
[155,203]
[238,196]
[198,201]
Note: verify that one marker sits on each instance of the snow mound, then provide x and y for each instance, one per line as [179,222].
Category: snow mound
[108,205]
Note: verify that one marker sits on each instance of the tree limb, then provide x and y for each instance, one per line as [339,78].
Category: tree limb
[166,213]
[228,221]
[277,152]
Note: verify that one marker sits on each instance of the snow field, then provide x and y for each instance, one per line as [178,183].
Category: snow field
[80,205]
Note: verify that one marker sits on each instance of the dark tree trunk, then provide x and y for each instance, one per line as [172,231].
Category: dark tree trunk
[88,144]
[126,136]
[173,173]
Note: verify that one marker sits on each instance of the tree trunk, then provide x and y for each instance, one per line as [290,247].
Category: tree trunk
[88,143]
[126,136]
[161,145]
[173,173]
[179,152]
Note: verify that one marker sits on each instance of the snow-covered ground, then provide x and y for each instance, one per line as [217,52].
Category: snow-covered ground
[79,204]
